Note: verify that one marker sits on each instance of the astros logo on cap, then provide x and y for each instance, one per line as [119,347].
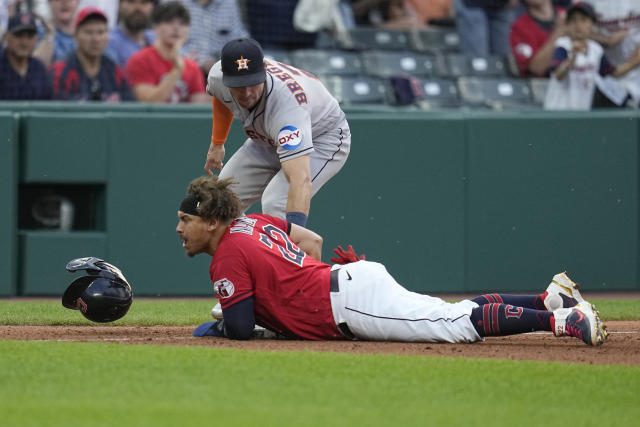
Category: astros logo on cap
[243,64]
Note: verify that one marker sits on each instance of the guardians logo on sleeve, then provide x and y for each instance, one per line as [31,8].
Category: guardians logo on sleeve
[290,137]
[223,288]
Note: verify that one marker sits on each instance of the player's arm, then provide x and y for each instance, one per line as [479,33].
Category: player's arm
[609,40]
[563,61]
[239,320]
[539,64]
[221,119]
[146,92]
[307,240]
[298,173]
[199,98]
[623,69]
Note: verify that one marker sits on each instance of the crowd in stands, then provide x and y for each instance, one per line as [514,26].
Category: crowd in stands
[160,51]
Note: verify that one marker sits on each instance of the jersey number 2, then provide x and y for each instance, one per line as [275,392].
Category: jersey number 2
[291,253]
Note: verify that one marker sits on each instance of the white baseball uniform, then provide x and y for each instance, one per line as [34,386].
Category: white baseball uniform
[295,116]
[614,16]
[575,91]
[378,308]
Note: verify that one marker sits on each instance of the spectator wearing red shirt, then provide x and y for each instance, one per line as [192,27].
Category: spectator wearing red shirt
[87,74]
[533,36]
[158,73]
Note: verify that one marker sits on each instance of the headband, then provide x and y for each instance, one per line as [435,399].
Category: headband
[190,205]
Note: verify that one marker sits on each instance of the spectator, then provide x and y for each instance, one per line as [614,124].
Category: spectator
[271,24]
[618,29]
[58,38]
[22,76]
[484,25]
[213,24]
[432,11]
[159,73]
[87,74]
[109,7]
[389,14]
[577,62]
[133,32]
[533,36]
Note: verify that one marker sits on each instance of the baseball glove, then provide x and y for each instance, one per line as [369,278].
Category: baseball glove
[346,257]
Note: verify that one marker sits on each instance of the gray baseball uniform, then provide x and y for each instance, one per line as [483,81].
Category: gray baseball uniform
[295,116]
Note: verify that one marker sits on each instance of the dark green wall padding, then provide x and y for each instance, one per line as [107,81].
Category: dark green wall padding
[8,201]
[454,202]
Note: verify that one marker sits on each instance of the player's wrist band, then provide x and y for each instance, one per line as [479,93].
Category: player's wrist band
[297,218]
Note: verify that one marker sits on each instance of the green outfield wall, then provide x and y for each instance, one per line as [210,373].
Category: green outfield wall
[448,201]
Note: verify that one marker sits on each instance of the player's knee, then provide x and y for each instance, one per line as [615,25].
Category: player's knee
[477,320]
[273,206]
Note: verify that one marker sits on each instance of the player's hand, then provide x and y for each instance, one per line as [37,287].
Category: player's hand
[215,155]
[579,46]
[560,27]
[175,57]
[345,257]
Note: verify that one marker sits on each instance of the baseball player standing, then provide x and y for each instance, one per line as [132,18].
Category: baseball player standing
[298,137]
[262,274]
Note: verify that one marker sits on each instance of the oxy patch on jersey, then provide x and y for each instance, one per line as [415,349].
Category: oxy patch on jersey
[290,137]
[223,288]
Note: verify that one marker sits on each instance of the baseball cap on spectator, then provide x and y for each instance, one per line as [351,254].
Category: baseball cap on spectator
[22,22]
[242,63]
[87,13]
[585,8]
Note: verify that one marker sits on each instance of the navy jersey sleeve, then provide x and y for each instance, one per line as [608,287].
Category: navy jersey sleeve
[560,54]
[606,67]
[239,320]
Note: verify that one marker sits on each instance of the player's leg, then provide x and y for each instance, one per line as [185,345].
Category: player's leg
[582,321]
[252,166]
[330,152]
[562,292]
[375,307]
[506,319]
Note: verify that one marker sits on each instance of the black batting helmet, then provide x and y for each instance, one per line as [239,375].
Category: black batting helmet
[104,295]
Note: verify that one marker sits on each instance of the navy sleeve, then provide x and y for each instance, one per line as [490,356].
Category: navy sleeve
[239,320]
[606,67]
[559,55]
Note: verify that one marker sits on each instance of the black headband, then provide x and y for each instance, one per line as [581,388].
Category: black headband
[190,205]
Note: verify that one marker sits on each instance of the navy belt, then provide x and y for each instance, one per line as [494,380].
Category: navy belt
[335,287]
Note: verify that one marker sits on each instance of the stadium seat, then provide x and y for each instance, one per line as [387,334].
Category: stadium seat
[438,93]
[538,90]
[495,93]
[327,62]
[373,38]
[460,65]
[357,90]
[386,64]
[435,40]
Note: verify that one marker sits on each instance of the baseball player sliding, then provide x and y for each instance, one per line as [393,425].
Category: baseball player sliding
[298,137]
[266,271]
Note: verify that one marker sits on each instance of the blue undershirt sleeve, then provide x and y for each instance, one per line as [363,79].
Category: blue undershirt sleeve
[239,320]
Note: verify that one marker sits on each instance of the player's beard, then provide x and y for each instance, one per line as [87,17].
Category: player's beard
[135,22]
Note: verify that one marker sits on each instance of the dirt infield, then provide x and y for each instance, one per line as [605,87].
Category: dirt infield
[622,347]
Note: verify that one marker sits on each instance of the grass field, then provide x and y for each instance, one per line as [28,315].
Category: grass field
[66,383]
